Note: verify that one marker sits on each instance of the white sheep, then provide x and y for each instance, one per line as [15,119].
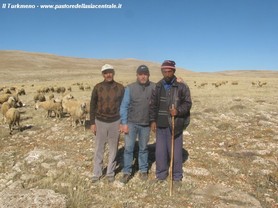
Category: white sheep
[13,118]
[76,109]
[21,91]
[50,106]
[6,106]
[68,97]
[4,97]
[51,96]
[18,103]
[78,114]
[87,109]
[39,97]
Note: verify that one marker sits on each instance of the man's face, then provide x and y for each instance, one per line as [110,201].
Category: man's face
[168,74]
[143,78]
[108,75]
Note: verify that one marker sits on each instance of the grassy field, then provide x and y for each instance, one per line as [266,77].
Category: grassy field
[230,147]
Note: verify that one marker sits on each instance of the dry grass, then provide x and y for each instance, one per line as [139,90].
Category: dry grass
[231,141]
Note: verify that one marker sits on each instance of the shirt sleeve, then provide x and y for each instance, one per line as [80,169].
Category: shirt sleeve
[124,106]
[93,106]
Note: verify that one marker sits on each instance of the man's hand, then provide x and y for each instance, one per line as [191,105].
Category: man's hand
[153,126]
[173,111]
[124,129]
[179,79]
[93,129]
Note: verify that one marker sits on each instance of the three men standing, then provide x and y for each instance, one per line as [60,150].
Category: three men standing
[141,107]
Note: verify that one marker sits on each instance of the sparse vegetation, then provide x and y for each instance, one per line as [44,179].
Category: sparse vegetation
[230,147]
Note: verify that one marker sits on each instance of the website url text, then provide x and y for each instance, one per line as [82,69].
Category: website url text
[61,6]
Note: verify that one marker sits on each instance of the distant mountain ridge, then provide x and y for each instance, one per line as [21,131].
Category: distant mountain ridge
[30,66]
[45,63]
[22,59]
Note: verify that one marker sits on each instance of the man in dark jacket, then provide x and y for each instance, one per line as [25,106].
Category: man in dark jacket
[170,98]
[105,121]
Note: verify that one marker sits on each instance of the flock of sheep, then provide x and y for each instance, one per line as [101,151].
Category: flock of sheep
[9,100]
[9,103]
[222,83]
[10,114]
[78,110]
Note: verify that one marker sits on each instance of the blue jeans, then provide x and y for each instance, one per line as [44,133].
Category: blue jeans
[143,133]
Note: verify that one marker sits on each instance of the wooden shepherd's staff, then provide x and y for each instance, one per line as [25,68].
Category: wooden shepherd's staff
[172,152]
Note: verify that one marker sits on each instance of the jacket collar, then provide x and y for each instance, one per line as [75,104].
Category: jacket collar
[144,85]
[173,83]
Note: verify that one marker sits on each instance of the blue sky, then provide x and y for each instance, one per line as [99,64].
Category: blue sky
[200,35]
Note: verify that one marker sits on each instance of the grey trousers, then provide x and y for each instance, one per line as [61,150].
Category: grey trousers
[106,133]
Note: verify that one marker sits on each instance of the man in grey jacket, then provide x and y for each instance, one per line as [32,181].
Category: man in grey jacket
[135,122]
